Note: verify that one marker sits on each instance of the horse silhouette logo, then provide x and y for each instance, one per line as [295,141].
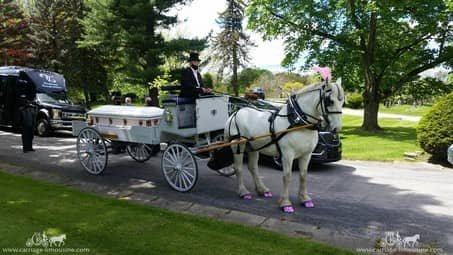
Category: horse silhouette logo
[57,241]
[411,241]
[41,239]
[394,240]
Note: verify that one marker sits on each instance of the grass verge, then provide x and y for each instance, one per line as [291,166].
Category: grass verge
[109,226]
[396,138]
[405,110]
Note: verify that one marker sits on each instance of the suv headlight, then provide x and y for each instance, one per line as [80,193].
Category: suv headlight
[56,114]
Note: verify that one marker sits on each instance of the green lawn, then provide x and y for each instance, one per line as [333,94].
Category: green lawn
[109,226]
[390,144]
[405,110]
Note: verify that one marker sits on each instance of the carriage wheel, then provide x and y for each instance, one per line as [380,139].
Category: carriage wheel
[226,171]
[140,152]
[179,167]
[92,151]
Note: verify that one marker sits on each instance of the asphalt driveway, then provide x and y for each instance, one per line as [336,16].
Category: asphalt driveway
[356,199]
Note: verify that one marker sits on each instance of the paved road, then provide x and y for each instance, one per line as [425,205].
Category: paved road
[359,112]
[352,198]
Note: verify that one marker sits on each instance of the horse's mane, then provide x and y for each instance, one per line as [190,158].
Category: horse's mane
[318,85]
[310,87]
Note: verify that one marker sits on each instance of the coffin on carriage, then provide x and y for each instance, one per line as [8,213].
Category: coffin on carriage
[182,127]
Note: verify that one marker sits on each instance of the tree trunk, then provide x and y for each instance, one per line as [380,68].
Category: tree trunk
[234,79]
[371,106]
[86,95]
[371,94]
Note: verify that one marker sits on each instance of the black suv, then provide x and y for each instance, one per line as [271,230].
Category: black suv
[55,109]
[329,144]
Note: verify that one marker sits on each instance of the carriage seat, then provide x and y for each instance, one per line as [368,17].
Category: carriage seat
[179,100]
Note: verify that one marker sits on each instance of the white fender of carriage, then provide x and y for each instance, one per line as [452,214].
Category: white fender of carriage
[296,145]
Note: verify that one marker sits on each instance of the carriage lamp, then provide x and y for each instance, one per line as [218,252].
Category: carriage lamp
[168,116]
[56,114]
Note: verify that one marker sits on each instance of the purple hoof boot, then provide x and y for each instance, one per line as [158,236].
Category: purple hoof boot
[246,197]
[267,194]
[288,209]
[308,204]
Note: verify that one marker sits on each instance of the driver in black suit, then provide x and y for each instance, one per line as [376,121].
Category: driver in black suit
[192,85]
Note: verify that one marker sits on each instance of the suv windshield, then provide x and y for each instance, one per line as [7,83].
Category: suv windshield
[54,98]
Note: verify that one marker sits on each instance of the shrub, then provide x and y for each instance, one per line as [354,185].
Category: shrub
[354,101]
[435,129]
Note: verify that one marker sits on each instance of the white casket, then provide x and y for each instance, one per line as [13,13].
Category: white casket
[127,123]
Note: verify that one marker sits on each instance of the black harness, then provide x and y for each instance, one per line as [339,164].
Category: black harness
[296,117]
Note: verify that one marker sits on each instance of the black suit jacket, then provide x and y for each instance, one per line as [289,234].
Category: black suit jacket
[189,84]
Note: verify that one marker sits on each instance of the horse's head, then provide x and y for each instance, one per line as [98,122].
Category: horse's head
[323,102]
[331,104]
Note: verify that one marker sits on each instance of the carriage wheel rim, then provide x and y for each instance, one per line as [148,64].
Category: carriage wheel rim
[179,167]
[139,152]
[92,151]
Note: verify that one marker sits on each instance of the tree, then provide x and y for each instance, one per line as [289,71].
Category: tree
[55,30]
[127,36]
[14,49]
[231,46]
[248,76]
[426,89]
[208,81]
[381,44]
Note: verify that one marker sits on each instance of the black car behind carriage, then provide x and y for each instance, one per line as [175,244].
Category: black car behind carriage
[56,111]
[329,144]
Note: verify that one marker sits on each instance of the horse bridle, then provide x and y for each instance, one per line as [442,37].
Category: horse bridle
[325,101]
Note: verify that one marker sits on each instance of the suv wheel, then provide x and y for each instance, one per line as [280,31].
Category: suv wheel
[43,127]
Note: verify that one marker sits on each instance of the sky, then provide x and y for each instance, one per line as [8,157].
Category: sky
[198,18]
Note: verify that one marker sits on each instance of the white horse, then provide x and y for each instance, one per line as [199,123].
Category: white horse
[411,241]
[318,103]
[57,240]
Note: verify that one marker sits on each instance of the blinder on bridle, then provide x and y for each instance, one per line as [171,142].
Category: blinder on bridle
[327,100]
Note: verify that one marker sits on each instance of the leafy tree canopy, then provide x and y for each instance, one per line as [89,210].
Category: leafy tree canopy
[128,36]
[381,44]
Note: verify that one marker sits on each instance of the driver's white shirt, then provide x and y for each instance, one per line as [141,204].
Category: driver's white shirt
[195,73]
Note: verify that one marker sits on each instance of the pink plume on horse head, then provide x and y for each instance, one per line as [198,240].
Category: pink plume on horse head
[325,72]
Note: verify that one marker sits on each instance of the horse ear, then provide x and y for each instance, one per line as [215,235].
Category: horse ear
[338,81]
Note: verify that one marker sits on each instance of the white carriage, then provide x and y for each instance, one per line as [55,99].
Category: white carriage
[182,127]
